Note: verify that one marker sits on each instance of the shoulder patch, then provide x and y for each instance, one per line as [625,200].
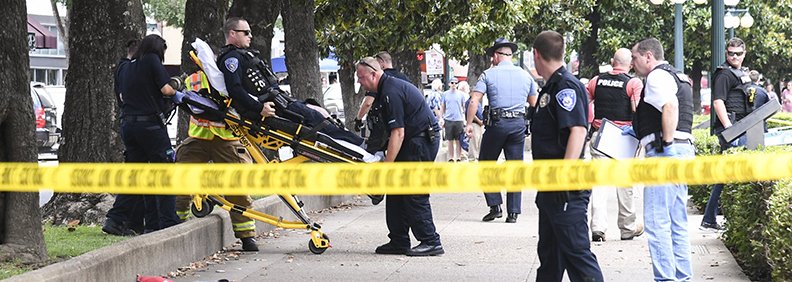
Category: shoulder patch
[232,64]
[566,99]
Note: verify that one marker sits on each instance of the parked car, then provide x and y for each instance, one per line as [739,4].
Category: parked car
[333,101]
[47,129]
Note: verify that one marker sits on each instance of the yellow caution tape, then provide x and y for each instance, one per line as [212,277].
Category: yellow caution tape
[388,178]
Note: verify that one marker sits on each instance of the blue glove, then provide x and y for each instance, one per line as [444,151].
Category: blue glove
[177,98]
[628,130]
[670,150]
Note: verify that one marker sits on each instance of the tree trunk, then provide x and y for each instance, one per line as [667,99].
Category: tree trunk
[588,63]
[302,51]
[261,15]
[203,19]
[21,236]
[99,30]
[406,62]
[476,66]
[346,76]
[695,75]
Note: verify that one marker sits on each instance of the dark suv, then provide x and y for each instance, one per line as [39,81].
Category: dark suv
[47,130]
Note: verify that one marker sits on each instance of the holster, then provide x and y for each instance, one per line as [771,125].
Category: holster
[658,142]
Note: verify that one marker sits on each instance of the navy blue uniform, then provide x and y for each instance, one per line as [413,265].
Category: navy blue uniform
[563,225]
[235,66]
[127,209]
[404,107]
[144,134]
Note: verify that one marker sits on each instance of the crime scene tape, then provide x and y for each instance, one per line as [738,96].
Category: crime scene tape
[387,178]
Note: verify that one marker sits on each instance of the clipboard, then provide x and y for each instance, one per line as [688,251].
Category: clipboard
[611,143]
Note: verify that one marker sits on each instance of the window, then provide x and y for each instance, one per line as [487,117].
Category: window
[59,51]
[52,77]
[39,75]
[48,76]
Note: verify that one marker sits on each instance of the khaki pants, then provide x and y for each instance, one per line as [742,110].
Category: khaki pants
[599,203]
[217,150]
[474,145]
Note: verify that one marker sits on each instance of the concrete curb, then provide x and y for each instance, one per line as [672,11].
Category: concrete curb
[163,251]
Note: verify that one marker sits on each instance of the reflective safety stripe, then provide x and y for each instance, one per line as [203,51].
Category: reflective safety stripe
[183,214]
[201,128]
[244,226]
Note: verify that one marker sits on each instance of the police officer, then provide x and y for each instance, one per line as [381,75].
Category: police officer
[414,136]
[731,102]
[663,122]
[615,95]
[559,132]
[507,88]
[385,60]
[756,90]
[142,124]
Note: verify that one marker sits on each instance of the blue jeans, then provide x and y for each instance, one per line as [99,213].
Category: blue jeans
[666,222]
[711,211]
[507,136]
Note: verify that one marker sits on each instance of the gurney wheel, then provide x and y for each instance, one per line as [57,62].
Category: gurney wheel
[318,250]
[206,209]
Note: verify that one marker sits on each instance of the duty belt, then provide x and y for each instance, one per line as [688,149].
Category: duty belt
[146,118]
[508,114]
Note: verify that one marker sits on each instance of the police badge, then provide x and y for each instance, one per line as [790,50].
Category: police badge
[544,100]
[566,99]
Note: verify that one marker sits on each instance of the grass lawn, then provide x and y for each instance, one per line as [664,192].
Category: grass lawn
[63,244]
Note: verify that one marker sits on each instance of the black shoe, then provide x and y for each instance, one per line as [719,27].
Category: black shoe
[376,199]
[114,228]
[249,244]
[706,226]
[423,250]
[495,212]
[390,249]
[512,217]
[597,236]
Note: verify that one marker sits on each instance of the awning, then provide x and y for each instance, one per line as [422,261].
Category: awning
[44,39]
[279,64]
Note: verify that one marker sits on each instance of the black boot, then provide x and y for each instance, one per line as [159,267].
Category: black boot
[512,217]
[249,244]
[376,199]
[495,212]
[116,228]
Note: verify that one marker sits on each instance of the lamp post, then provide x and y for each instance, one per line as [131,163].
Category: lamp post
[718,36]
[733,20]
[678,33]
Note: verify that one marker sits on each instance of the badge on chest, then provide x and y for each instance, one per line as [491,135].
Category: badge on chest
[544,100]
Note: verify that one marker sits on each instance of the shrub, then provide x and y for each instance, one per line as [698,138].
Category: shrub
[784,117]
[779,231]
[705,144]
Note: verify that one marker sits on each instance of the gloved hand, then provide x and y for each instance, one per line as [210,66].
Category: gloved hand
[628,130]
[177,97]
[380,155]
[358,124]
[670,150]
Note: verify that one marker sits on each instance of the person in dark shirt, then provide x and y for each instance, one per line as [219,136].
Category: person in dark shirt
[414,136]
[385,60]
[759,94]
[143,130]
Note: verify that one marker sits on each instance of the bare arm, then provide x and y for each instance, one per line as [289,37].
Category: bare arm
[475,99]
[365,105]
[670,119]
[577,136]
[532,100]
[394,144]
[720,112]
[167,90]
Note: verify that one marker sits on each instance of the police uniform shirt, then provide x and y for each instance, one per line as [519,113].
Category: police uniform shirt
[233,65]
[506,86]
[143,79]
[120,75]
[725,86]
[404,106]
[562,104]
[394,73]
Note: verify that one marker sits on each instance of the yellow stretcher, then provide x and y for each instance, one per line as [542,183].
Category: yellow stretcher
[272,133]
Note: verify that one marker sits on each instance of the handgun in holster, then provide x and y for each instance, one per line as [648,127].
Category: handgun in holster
[658,142]
[486,115]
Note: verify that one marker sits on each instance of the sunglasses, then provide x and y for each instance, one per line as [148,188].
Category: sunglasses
[503,54]
[730,53]
[366,64]
[245,31]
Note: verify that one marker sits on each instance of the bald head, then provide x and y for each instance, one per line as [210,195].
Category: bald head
[622,58]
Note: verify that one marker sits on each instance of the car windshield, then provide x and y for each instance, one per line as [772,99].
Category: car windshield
[36,101]
[46,101]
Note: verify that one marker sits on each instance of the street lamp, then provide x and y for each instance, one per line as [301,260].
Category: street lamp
[678,35]
[732,19]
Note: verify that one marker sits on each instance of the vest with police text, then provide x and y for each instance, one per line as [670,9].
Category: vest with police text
[648,119]
[610,97]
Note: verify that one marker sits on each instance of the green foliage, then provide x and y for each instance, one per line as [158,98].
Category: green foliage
[779,231]
[758,224]
[706,145]
[784,118]
[170,11]
[8,269]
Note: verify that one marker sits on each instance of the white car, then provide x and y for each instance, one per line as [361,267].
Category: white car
[333,101]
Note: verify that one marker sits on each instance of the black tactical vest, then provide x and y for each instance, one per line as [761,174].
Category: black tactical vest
[257,78]
[737,99]
[648,120]
[610,97]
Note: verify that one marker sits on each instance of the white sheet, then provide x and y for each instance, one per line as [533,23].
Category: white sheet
[207,58]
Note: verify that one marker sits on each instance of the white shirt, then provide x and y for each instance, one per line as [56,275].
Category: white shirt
[660,88]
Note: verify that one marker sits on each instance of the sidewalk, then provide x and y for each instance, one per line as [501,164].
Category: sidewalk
[475,251]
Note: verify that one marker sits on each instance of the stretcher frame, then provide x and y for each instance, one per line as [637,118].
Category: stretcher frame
[271,133]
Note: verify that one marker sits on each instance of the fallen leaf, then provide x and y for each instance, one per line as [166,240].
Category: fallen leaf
[478,242]
[220,271]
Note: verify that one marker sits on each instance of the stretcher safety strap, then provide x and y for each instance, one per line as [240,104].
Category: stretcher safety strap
[388,178]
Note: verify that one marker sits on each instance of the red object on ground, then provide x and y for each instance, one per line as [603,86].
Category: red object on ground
[141,278]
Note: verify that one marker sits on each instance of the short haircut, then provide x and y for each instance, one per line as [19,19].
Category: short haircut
[384,56]
[369,62]
[652,45]
[550,45]
[132,46]
[231,24]
[154,44]
[735,42]
[754,75]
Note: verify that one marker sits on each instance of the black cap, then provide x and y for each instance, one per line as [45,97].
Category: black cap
[501,42]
